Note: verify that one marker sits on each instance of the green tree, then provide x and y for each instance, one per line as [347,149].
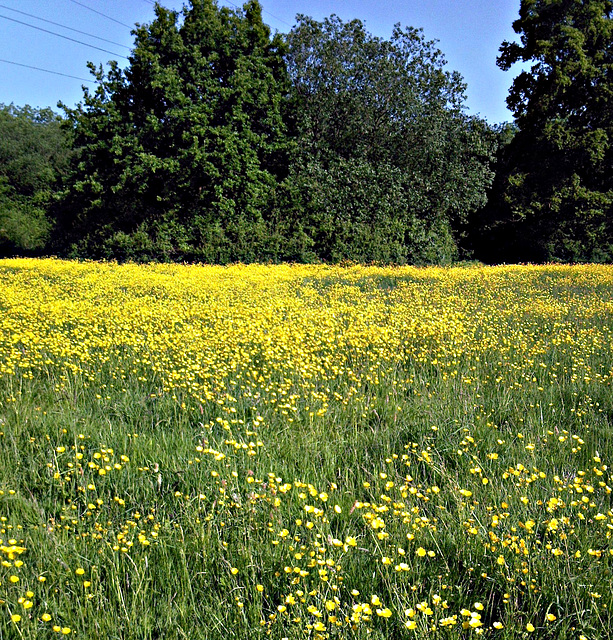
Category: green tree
[179,156]
[487,237]
[557,191]
[388,164]
[34,152]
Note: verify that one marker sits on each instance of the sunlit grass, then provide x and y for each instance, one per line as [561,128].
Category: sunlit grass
[305,451]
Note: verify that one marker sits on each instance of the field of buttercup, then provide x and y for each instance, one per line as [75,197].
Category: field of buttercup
[305,451]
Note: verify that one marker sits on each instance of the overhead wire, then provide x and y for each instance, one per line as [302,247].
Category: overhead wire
[123,24]
[59,35]
[63,26]
[277,18]
[57,73]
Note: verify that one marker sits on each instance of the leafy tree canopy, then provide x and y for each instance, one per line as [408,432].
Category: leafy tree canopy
[178,156]
[557,195]
[221,142]
[34,153]
[390,162]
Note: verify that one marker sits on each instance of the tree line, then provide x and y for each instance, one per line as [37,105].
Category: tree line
[223,142]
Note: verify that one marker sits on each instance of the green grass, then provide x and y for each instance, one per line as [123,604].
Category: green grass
[458,441]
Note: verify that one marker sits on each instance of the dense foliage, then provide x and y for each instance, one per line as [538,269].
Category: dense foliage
[391,162]
[554,196]
[34,153]
[221,142]
[178,157]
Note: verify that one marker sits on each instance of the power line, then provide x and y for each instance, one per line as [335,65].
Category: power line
[123,24]
[59,35]
[56,73]
[57,24]
[277,18]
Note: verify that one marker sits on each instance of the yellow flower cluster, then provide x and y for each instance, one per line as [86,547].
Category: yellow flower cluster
[338,450]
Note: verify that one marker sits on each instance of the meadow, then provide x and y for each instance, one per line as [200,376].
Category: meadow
[305,451]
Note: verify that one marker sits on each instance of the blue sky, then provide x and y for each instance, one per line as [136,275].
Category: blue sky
[469,33]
